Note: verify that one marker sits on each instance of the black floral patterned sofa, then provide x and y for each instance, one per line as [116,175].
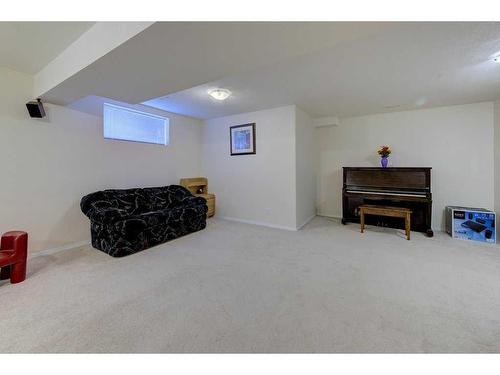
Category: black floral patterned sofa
[123,222]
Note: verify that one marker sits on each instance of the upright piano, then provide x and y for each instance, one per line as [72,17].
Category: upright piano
[398,187]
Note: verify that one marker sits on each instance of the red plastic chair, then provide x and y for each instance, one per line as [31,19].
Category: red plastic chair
[13,256]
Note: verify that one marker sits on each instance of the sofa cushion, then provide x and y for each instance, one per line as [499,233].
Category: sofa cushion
[165,197]
[131,200]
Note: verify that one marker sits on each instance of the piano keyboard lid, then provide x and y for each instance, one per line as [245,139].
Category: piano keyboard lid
[388,192]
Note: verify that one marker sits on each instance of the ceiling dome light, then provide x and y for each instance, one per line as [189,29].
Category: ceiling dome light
[219,94]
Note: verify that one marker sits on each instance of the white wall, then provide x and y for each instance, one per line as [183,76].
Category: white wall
[497,154]
[256,188]
[99,40]
[305,167]
[456,141]
[48,165]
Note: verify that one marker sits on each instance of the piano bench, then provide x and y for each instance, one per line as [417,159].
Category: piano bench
[369,209]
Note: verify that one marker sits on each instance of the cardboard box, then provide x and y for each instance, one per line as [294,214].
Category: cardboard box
[473,224]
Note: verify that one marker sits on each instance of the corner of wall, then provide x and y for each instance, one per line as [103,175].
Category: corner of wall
[496,150]
[305,168]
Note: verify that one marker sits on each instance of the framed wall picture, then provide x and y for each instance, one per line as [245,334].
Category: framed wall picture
[242,139]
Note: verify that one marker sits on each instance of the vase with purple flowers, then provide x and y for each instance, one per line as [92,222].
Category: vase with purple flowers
[384,152]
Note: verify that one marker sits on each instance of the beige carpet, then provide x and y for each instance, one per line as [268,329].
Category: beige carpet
[241,288]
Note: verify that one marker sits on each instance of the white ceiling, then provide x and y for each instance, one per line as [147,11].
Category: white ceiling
[407,66]
[168,57]
[93,105]
[327,69]
[28,46]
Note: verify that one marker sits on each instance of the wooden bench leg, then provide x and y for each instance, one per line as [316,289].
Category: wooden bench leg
[362,221]
[407,225]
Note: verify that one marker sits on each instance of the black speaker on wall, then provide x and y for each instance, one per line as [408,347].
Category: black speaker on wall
[36,109]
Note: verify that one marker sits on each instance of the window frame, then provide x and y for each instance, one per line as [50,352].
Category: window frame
[166,121]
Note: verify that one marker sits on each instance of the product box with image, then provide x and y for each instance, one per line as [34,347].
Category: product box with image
[474,224]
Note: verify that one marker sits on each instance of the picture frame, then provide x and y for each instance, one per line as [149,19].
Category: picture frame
[242,139]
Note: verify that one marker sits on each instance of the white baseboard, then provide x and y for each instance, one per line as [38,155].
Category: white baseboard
[58,249]
[330,216]
[256,223]
[307,221]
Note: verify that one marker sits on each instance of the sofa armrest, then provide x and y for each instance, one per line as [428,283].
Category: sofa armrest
[194,201]
[197,203]
[94,202]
